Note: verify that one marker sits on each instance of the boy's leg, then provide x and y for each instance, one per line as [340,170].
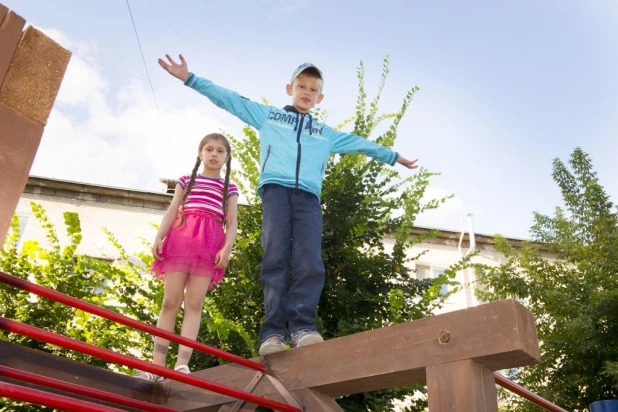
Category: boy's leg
[275,272]
[301,303]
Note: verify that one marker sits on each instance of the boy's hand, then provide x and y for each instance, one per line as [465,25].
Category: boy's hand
[410,164]
[179,71]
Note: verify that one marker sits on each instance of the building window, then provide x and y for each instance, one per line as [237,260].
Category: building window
[23,222]
[430,272]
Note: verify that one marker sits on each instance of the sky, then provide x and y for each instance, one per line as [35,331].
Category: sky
[505,88]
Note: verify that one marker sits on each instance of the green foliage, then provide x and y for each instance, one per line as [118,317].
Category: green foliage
[118,287]
[574,298]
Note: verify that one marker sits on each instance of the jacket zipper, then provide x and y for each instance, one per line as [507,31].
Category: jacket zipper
[266,160]
[300,128]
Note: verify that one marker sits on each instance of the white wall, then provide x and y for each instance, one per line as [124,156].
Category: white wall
[127,223]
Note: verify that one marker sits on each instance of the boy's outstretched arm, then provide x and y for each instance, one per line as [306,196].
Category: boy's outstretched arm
[179,71]
[410,164]
[248,111]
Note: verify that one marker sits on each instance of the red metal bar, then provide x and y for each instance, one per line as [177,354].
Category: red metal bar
[116,317]
[80,390]
[525,393]
[111,356]
[63,403]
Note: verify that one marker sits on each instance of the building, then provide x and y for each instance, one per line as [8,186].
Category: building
[131,215]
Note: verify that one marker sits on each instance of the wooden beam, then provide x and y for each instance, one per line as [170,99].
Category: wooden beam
[461,386]
[316,401]
[490,337]
[19,139]
[498,335]
[57,367]
[31,69]
[11,26]
[34,76]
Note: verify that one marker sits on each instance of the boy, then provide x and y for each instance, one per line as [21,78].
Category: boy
[294,150]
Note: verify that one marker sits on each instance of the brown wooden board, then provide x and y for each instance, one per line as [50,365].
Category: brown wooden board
[3,12]
[11,26]
[495,336]
[314,401]
[45,364]
[498,335]
[34,76]
[19,140]
[461,386]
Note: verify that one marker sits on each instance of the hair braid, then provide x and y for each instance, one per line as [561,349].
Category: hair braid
[226,186]
[185,195]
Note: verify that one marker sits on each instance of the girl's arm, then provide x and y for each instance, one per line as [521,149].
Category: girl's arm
[231,227]
[166,223]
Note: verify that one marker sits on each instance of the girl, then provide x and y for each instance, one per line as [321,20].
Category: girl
[192,249]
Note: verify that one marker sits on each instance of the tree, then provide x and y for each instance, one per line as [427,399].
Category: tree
[575,298]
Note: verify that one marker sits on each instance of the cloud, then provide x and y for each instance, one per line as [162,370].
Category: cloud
[117,139]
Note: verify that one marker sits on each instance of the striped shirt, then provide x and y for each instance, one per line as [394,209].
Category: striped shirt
[207,194]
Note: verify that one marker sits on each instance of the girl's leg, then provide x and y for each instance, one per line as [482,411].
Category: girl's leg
[172,299]
[194,303]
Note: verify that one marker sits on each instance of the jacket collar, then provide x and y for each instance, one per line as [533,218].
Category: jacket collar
[290,108]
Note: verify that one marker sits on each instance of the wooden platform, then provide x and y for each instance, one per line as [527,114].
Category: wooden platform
[454,353]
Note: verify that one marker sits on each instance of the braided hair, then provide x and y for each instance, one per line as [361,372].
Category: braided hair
[198,162]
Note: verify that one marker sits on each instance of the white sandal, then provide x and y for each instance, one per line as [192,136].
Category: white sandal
[147,376]
[183,369]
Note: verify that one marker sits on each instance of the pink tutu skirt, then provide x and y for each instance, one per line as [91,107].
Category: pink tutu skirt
[192,247]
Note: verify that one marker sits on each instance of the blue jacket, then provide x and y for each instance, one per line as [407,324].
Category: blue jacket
[294,149]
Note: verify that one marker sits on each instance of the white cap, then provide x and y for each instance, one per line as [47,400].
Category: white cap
[304,67]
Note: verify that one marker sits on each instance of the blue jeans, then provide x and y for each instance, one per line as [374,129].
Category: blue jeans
[291,239]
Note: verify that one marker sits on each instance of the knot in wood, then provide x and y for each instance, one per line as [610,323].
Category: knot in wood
[444,337]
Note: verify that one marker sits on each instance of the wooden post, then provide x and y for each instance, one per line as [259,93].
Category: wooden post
[461,386]
[31,69]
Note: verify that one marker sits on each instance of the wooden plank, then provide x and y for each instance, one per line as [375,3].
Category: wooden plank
[495,336]
[45,364]
[461,386]
[242,404]
[19,140]
[11,26]
[3,12]
[498,335]
[314,401]
[34,76]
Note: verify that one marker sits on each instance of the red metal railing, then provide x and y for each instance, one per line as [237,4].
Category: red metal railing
[111,356]
[30,395]
[117,317]
[80,390]
[525,393]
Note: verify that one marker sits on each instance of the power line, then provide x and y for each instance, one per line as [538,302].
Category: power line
[203,60]
[144,60]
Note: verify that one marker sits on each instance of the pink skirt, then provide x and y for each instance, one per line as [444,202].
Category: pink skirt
[192,247]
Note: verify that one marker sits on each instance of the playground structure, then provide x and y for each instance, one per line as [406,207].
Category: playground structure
[455,354]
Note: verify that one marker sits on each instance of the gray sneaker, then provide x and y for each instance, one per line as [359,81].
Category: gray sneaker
[305,337]
[272,344]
